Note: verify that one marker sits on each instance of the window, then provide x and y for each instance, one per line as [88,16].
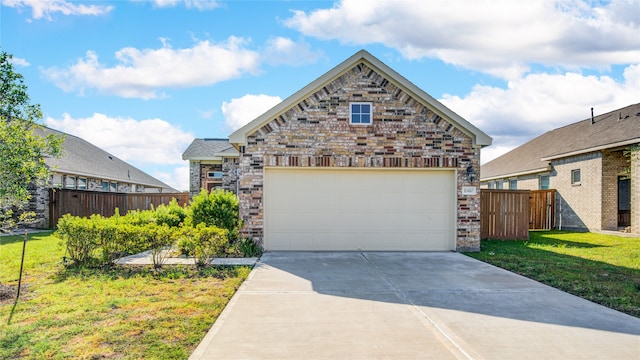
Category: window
[513,184]
[543,183]
[105,185]
[113,187]
[492,184]
[360,113]
[56,180]
[575,177]
[82,184]
[499,184]
[215,174]
[69,182]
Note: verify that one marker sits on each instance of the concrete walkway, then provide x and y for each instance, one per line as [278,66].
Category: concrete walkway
[409,306]
[144,258]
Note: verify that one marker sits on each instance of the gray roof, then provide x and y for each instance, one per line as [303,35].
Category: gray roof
[614,129]
[79,157]
[208,149]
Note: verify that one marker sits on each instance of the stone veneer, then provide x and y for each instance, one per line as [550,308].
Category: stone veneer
[316,132]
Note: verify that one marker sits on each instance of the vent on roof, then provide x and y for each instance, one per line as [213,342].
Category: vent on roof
[592,119]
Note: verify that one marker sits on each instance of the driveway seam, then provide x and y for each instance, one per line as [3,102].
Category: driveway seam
[408,301]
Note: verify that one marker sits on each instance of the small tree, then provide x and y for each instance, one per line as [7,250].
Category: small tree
[22,152]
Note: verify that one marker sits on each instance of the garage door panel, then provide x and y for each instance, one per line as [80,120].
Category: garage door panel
[359,210]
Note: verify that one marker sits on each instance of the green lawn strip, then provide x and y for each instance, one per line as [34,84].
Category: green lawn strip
[601,268]
[124,313]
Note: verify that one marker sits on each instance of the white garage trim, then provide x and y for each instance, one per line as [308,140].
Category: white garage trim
[338,209]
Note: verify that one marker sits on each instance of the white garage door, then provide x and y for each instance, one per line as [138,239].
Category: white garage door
[325,209]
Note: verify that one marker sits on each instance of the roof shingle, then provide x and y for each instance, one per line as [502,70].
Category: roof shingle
[608,130]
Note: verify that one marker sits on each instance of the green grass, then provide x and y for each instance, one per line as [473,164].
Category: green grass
[113,313]
[601,268]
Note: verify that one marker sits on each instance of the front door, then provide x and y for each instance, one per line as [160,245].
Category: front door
[624,201]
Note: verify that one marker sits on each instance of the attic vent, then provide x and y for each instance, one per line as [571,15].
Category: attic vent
[638,114]
[110,157]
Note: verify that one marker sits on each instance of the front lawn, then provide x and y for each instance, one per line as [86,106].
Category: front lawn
[120,313]
[601,268]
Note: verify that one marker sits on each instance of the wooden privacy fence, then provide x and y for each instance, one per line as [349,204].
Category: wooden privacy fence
[87,203]
[510,214]
[543,210]
[504,214]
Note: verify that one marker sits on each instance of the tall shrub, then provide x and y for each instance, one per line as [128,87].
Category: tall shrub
[217,208]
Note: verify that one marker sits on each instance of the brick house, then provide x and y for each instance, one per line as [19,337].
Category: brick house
[360,159]
[585,162]
[84,166]
[213,164]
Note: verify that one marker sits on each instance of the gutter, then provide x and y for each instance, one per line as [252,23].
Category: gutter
[592,149]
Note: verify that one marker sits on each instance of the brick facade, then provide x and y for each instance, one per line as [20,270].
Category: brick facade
[199,179]
[316,132]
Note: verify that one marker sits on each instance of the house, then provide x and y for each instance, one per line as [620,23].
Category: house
[84,166]
[213,164]
[586,163]
[360,159]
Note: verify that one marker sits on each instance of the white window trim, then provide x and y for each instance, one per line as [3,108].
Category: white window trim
[370,114]
[576,183]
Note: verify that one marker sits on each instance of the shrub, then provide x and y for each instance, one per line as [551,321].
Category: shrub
[80,236]
[218,208]
[208,242]
[247,247]
[172,214]
[159,238]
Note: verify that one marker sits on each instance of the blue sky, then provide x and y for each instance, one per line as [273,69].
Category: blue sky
[142,79]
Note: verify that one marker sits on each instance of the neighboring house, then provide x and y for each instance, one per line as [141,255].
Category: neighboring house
[360,159]
[84,166]
[585,162]
[213,164]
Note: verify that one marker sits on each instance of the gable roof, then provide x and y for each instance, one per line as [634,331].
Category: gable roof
[616,128]
[209,149]
[80,157]
[239,137]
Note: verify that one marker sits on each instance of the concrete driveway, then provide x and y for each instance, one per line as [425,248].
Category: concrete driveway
[385,305]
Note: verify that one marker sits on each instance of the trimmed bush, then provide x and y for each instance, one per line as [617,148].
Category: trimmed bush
[218,208]
[80,236]
[172,215]
[207,241]
[159,238]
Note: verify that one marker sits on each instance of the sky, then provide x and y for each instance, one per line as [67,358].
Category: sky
[142,78]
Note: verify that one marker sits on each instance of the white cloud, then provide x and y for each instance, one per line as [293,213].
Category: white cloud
[46,8]
[177,177]
[538,103]
[503,38]
[201,5]
[141,73]
[141,142]
[240,111]
[19,61]
[281,50]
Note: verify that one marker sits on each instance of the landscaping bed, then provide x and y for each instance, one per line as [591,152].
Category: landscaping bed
[601,268]
[109,311]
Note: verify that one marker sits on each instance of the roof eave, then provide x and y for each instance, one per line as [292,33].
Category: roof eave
[239,137]
[526,172]
[592,149]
